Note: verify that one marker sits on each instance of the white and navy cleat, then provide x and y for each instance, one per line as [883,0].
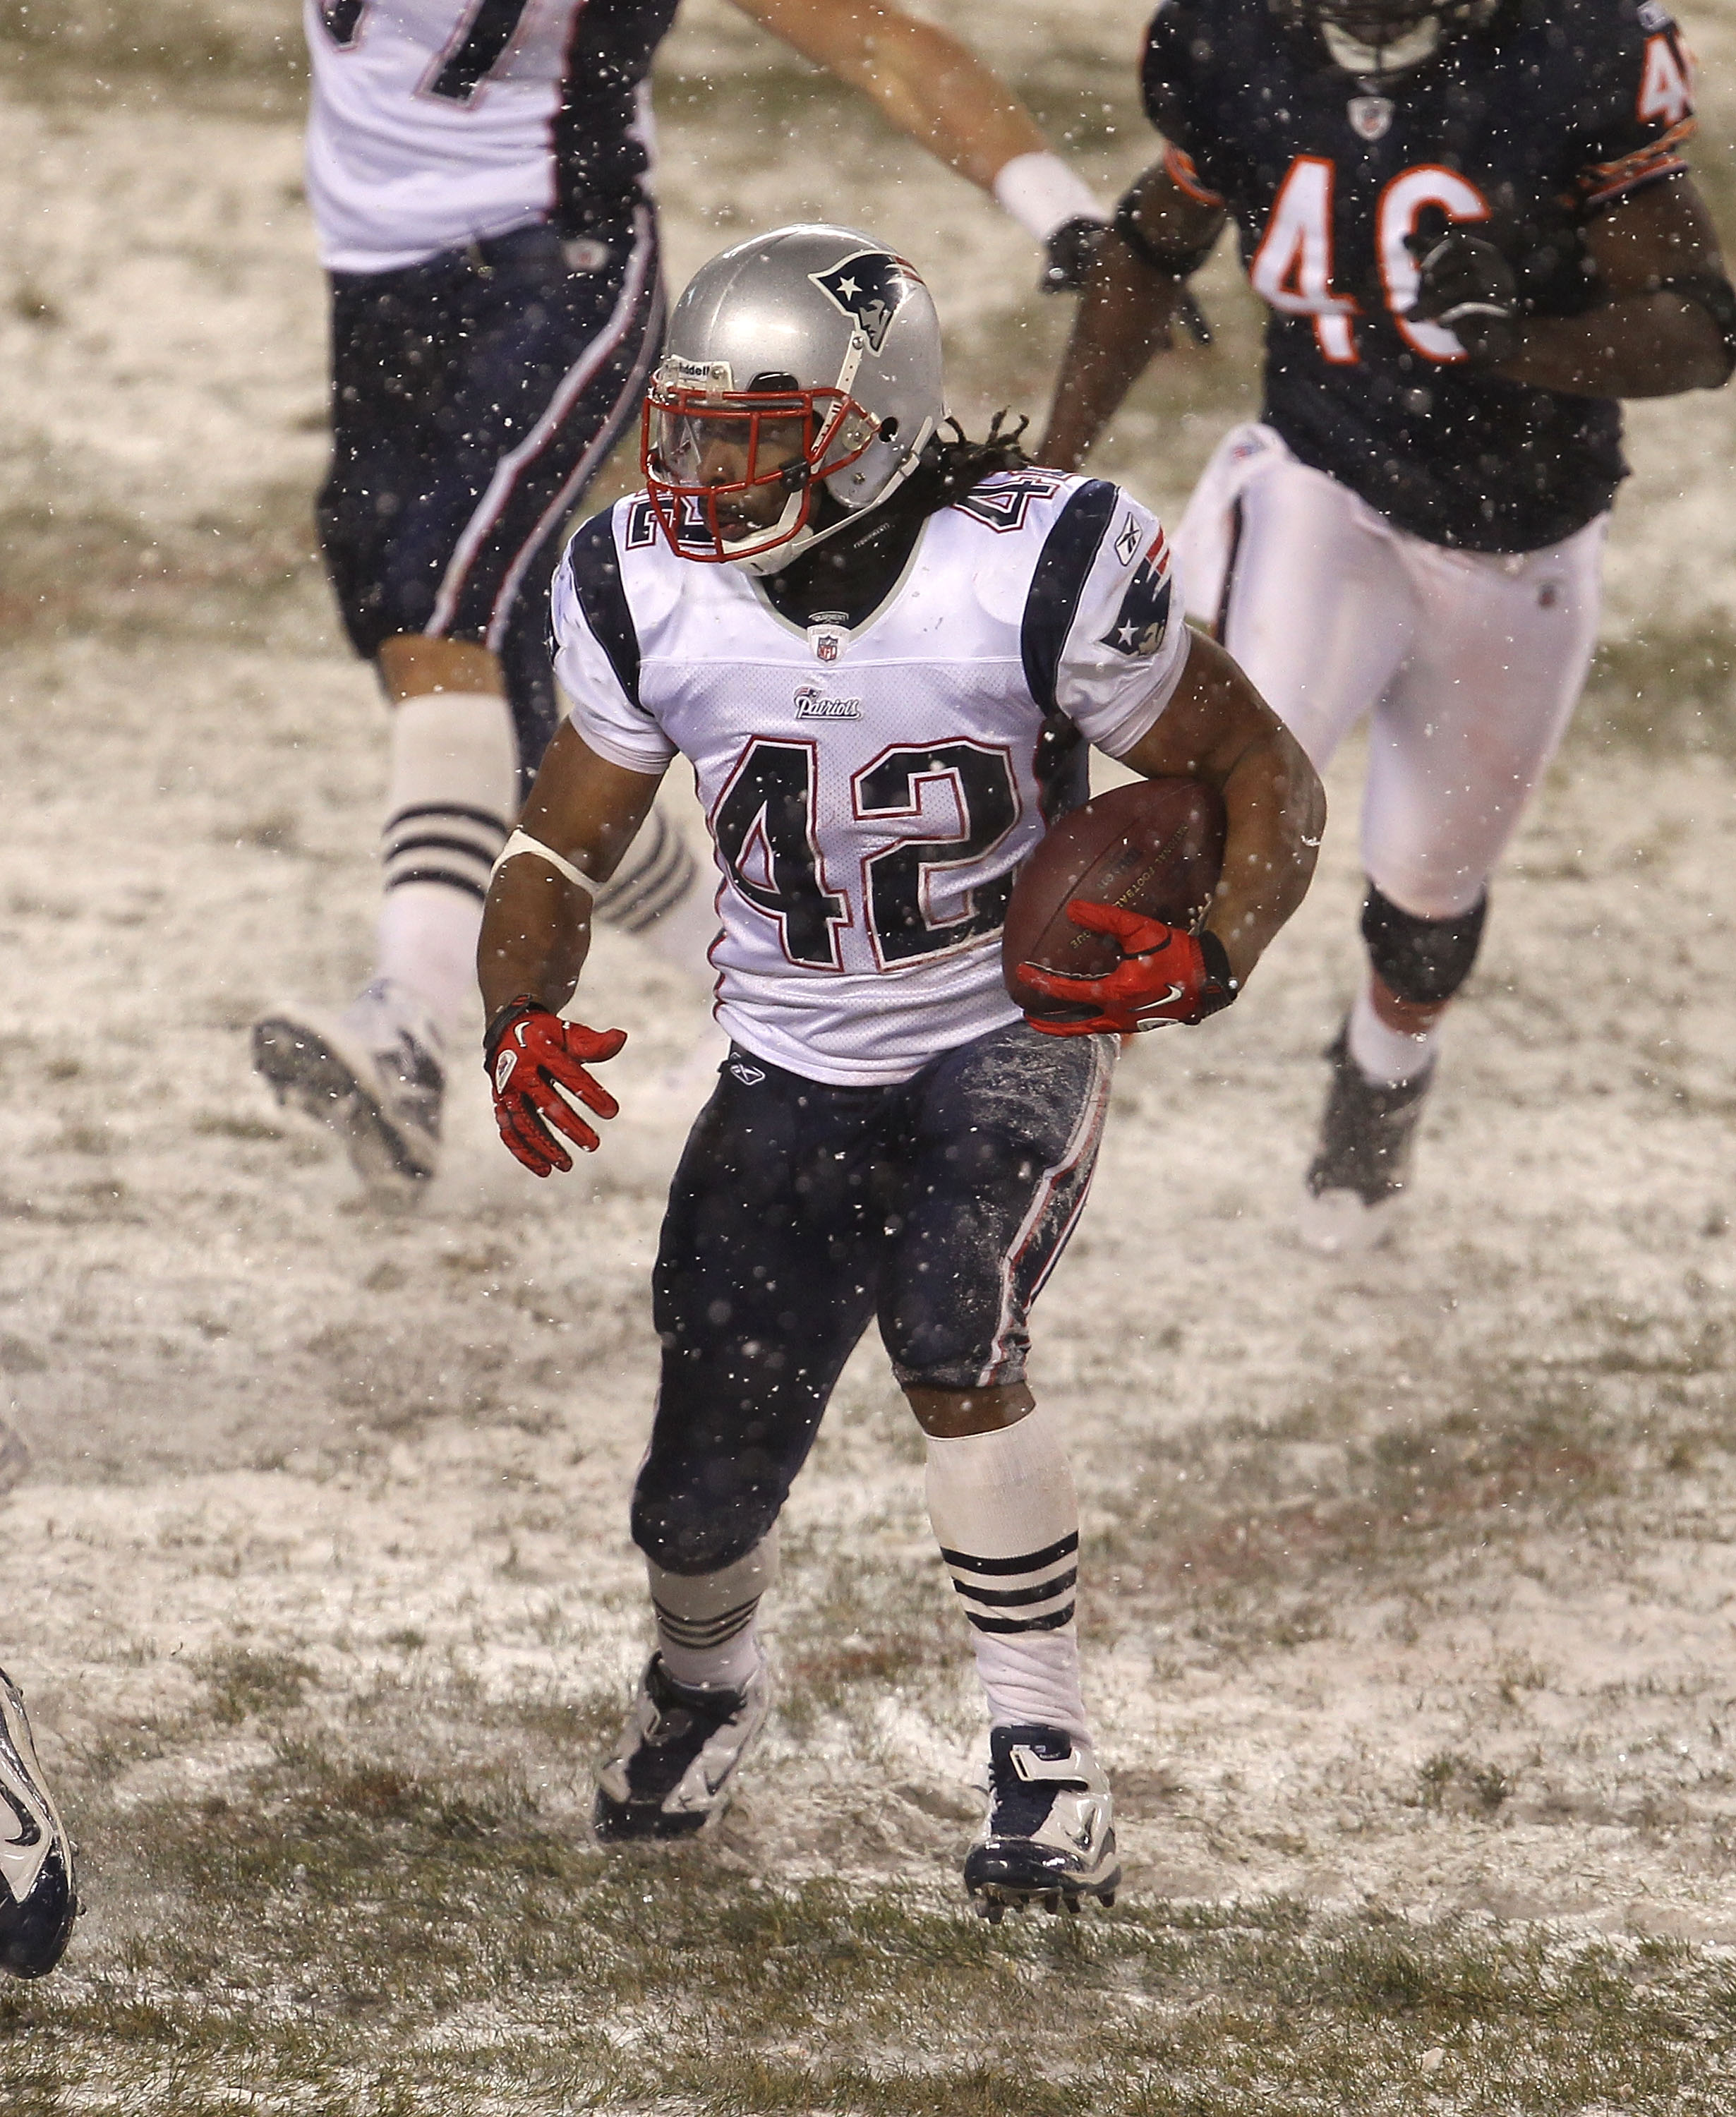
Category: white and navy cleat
[674,1767]
[375,1073]
[1049,1838]
[38,1896]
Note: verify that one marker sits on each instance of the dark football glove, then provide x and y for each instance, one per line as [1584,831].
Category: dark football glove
[1467,286]
[1165,975]
[1070,249]
[531,1054]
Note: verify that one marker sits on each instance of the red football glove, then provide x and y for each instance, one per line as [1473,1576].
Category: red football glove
[531,1054]
[1165,975]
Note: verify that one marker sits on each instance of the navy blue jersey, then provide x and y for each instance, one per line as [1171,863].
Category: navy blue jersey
[1529,127]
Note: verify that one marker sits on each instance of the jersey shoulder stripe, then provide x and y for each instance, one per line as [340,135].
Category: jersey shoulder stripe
[593,567]
[1069,553]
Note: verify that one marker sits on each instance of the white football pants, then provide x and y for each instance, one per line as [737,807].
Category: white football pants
[1470,663]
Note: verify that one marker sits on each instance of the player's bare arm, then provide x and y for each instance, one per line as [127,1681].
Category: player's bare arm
[1158,237]
[582,815]
[930,86]
[537,924]
[1218,728]
[1656,333]
[937,92]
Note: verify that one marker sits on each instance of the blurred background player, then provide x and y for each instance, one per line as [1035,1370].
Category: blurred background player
[884,653]
[1474,231]
[477,174]
[39,1899]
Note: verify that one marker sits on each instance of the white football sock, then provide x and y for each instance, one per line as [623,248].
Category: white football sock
[425,939]
[705,1628]
[452,794]
[1387,1058]
[1007,1520]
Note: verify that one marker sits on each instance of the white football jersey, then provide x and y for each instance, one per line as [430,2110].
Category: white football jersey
[435,122]
[871,792]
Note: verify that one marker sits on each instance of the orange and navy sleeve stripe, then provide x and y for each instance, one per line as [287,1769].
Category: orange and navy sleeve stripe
[1601,183]
[1179,168]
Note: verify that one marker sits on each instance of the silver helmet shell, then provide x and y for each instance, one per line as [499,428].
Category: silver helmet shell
[828,310]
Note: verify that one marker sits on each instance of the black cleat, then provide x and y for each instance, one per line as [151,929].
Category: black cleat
[672,1772]
[1049,1838]
[1358,1171]
[39,1900]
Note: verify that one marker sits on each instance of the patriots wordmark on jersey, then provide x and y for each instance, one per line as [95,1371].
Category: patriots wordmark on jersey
[437,123]
[1526,126]
[871,791]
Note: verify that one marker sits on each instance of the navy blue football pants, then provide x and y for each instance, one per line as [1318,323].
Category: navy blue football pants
[474,396]
[799,1211]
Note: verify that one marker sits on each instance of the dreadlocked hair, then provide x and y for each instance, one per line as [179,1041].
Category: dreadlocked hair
[951,469]
[854,564]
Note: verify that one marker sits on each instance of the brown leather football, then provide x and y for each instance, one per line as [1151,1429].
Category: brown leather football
[1155,847]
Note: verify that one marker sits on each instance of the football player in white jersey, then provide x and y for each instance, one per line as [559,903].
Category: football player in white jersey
[884,654]
[1474,231]
[39,1899]
[477,173]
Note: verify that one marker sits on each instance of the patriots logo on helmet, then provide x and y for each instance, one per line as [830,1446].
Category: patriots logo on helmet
[870,287]
[1143,619]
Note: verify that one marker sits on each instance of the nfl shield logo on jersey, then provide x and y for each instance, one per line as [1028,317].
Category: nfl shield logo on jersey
[1144,615]
[1370,115]
[870,289]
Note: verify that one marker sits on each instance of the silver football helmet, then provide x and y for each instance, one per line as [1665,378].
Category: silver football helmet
[805,359]
[1369,38]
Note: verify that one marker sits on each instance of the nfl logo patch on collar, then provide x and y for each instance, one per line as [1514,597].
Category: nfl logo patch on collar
[1370,115]
[828,640]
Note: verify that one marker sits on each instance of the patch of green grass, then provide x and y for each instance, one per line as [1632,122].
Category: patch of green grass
[1454,1785]
[246,1683]
[243,55]
[1232,1527]
[84,568]
[1664,693]
[369,1938]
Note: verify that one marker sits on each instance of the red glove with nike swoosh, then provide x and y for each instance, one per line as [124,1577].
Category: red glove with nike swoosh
[531,1054]
[1165,975]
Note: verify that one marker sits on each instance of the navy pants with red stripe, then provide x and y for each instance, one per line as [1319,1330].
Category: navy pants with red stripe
[474,396]
[939,1204]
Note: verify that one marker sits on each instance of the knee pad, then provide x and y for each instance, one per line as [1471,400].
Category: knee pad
[1422,961]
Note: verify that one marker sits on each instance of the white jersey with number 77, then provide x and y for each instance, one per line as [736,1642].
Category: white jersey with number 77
[437,122]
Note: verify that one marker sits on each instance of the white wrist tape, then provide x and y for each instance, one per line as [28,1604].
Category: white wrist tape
[1040,191]
[521,841]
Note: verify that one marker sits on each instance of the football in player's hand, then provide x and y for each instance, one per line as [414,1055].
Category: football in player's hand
[1154,847]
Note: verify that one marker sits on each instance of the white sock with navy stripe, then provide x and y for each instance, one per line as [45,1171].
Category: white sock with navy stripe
[451,797]
[705,1630]
[1005,1512]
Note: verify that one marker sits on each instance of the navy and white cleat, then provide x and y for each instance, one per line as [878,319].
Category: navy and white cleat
[1049,1838]
[673,1768]
[374,1073]
[39,1899]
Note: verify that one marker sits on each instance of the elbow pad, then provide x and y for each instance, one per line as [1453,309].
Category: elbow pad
[1713,293]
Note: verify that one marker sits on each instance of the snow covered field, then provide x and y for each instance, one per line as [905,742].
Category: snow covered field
[1410,1581]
